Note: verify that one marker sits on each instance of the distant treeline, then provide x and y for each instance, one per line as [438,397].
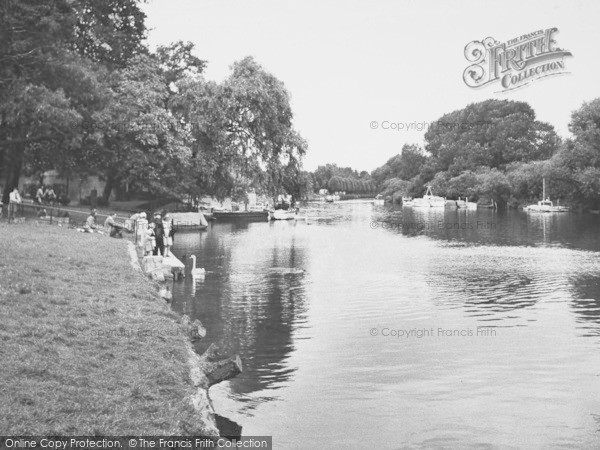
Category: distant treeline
[503,162]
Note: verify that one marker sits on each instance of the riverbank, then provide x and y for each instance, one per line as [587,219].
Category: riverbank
[88,346]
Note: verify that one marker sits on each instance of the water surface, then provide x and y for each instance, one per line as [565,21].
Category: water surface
[387,328]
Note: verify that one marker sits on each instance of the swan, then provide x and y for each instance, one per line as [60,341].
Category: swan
[196,271]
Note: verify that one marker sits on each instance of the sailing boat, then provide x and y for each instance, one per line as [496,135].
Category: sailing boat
[545,205]
[429,200]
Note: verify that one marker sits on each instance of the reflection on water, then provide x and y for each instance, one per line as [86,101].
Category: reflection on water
[250,300]
[498,315]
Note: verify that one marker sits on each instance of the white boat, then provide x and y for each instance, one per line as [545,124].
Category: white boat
[282,214]
[407,201]
[546,205]
[429,201]
[329,198]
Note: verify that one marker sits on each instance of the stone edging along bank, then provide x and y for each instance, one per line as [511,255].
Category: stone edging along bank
[207,369]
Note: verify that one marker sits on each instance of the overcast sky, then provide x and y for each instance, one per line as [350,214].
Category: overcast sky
[348,63]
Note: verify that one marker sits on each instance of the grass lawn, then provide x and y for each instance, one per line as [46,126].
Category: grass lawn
[86,345]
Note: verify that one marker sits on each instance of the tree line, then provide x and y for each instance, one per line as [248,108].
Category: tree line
[80,92]
[502,162]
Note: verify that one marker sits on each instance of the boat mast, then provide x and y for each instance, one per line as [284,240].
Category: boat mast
[544,189]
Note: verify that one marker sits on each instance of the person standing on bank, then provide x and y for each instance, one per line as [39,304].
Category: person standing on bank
[159,234]
[39,195]
[14,200]
[168,230]
[149,240]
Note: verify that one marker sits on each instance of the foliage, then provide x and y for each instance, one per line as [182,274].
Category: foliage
[404,166]
[241,130]
[80,92]
[496,150]
[492,133]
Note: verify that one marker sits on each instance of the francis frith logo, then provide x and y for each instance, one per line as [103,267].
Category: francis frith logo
[514,63]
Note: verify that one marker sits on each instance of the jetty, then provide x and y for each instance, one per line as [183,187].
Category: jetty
[161,268]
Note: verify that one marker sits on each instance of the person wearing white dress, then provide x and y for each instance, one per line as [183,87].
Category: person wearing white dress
[14,200]
[168,227]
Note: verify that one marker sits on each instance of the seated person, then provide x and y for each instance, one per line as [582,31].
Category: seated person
[50,196]
[42,213]
[111,227]
[90,223]
[40,195]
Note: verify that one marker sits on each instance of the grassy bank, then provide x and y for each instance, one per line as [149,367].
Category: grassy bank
[87,347]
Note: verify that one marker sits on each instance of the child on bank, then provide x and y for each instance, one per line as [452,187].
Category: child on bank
[150,239]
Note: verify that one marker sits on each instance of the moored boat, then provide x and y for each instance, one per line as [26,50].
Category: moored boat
[329,198]
[429,200]
[546,205]
[407,201]
[282,214]
[257,216]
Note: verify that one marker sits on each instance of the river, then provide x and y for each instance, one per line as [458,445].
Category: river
[373,326]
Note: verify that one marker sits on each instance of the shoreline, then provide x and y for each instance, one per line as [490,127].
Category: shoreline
[90,347]
[206,369]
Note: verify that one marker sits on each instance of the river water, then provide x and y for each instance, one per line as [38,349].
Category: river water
[370,326]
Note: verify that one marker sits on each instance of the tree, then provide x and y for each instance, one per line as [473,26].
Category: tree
[241,131]
[141,140]
[109,31]
[33,33]
[495,185]
[335,184]
[178,62]
[395,187]
[39,46]
[404,166]
[492,133]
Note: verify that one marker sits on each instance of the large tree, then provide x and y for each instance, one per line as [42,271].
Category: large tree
[492,133]
[141,141]
[403,166]
[48,81]
[242,131]
[33,35]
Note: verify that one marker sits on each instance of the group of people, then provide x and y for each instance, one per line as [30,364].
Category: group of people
[45,196]
[155,237]
[159,235]
[111,227]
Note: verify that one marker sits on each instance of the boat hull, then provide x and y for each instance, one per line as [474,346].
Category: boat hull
[547,209]
[255,216]
[428,203]
[280,214]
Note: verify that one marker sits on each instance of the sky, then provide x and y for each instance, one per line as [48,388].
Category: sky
[349,63]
